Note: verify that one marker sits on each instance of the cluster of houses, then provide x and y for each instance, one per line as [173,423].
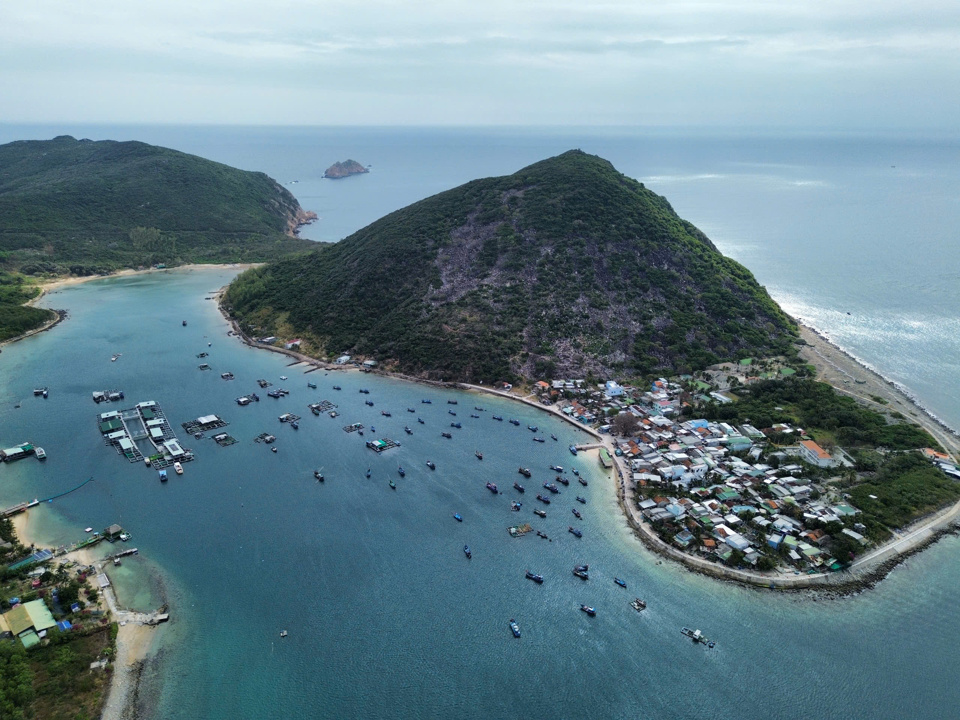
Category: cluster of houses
[713,488]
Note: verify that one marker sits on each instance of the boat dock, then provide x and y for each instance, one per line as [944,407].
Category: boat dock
[352,428]
[382,445]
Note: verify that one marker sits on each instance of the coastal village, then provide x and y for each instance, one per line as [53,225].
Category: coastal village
[727,493]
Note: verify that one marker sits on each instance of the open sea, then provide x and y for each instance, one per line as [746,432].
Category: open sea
[386,617]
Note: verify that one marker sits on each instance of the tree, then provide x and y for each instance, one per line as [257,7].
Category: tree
[625,424]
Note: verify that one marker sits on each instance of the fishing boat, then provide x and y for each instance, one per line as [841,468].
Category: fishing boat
[312,385]
[451,412]
[588,610]
[538,579]
[431,465]
[318,475]
[497,417]
[562,480]
[446,435]
[621,583]
[393,485]
[369,402]
[466,551]
[545,501]
[638,604]
[576,513]
[539,440]
[582,568]
[551,487]
[407,430]
[581,500]
[368,472]
[514,628]
[451,402]
[337,387]
[582,481]
[514,422]
[455,425]
[532,428]
[492,487]
[283,633]
[557,468]
[540,513]
[515,506]
[541,534]
[573,531]
[40,453]
[163,476]
[273,449]
[420,420]
[386,413]
[476,417]
[411,410]
[697,637]
[88,529]
[227,376]
[518,487]
[582,574]
[178,468]
[426,402]
[458,517]
[524,471]
[283,377]
[478,408]
[364,391]
[184,323]
[295,425]
[478,454]
[255,397]
[401,471]
[575,472]
[573,449]
[553,437]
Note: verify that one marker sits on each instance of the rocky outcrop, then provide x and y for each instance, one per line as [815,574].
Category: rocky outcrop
[344,169]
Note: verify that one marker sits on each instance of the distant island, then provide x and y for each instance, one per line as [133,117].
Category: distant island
[83,208]
[344,169]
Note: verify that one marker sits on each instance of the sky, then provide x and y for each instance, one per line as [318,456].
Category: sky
[826,64]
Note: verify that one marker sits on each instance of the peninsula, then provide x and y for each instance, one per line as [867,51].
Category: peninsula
[344,169]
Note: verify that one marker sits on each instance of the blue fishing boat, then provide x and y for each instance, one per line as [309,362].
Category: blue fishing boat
[588,610]
[466,551]
[514,422]
[401,471]
[458,517]
[163,476]
[514,628]
[581,500]
[420,420]
[497,417]
[573,531]
[573,449]
[621,583]
[426,402]
[538,579]
[532,428]
[312,385]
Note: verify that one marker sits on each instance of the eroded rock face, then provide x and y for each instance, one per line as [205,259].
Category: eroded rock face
[344,169]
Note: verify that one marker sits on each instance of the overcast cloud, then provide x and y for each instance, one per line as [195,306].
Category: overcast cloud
[758,63]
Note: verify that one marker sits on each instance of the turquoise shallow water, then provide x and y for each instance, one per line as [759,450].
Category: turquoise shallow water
[386,616]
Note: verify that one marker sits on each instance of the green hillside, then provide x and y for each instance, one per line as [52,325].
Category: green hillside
[564,268]
[84,207]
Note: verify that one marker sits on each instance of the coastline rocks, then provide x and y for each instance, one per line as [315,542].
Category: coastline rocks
[344,169]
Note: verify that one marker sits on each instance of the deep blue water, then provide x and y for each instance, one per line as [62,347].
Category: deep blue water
[385,614]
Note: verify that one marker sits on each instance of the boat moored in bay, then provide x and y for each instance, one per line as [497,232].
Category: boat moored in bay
[514,628]
[588,610]
[538,579]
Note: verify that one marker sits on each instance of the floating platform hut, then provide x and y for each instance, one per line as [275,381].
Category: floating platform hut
[321,407]
[519,530]
[382,444]
[204,424]
[223,440]
[353,428]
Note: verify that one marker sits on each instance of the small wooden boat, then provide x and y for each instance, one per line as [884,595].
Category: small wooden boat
[431,465]
[588,610]
[540,513]
[479,455]
[466,551]
[514,628]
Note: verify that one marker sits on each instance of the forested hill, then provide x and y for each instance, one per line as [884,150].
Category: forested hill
[84,206]
[564,268]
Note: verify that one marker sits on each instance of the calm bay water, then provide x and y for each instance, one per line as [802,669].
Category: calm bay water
[385,614]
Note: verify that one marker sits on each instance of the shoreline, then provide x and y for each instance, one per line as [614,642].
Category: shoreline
[135,642]
[833,364]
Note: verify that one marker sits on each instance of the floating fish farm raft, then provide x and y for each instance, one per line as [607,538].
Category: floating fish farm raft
[223,440]
[145,421]
[382,444]
[353,428]
[321,407]
[204,424]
